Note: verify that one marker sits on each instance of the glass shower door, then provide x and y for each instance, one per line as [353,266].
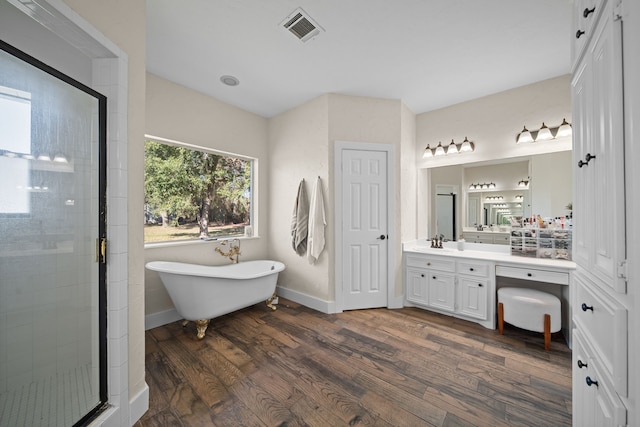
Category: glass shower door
[52,217]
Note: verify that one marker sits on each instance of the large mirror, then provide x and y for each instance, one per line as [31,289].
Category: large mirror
[498,194]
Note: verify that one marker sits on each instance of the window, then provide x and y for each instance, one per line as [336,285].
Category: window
[195,193]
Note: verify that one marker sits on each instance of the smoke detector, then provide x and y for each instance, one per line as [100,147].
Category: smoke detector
[301,25]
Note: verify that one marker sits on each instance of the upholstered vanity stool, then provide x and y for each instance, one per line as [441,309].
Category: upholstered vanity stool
[529,309]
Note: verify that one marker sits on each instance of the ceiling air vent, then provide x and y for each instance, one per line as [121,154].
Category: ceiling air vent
[301,25]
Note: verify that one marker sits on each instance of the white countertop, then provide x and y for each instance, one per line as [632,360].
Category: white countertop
[501,254]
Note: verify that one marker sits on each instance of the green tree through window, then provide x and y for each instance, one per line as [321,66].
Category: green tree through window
[192,194]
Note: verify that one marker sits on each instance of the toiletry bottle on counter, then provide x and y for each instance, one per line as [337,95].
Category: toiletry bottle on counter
[461,244]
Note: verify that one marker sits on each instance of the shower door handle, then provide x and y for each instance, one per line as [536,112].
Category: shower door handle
[101,250]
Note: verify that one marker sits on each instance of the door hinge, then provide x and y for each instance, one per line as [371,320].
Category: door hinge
[101,250]
[622,269]
[618,10]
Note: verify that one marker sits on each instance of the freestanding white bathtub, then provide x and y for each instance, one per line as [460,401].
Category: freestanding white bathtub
[201,292]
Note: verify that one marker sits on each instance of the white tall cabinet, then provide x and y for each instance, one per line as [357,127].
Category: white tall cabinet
[600,299]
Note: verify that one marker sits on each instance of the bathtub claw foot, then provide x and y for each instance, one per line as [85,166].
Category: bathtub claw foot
[201,326]
[271,302]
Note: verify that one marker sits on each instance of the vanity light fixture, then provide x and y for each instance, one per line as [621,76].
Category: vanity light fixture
[523,183]
[465,146]
[524,136]
[545,133]
[564,129]
[452,148]
[519,197]
[44,158]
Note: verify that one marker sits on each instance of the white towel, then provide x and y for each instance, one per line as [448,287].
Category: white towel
[317,223]
[299,222]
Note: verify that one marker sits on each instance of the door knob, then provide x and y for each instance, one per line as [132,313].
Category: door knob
[382,237]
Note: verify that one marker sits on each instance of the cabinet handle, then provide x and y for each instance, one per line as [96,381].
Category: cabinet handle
[586,307]
[579,34]
[428,263]
[581,364]
[591,382]
[471,269]
[587,159]
[422,275]
[529,275]
[479,285]
[588,12]
[434,277]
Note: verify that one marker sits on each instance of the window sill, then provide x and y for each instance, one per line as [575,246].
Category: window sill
[190,242]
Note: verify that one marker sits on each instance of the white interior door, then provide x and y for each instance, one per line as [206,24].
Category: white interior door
[364,229]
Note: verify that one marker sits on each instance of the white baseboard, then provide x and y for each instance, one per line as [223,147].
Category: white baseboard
[307,300]
[161,318]
[139,405]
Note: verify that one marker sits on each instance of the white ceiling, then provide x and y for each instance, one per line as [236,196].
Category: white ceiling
[427,53]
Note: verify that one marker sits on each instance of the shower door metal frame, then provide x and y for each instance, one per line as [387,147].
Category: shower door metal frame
[102,218]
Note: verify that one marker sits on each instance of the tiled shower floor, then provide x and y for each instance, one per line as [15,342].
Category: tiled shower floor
[59,400]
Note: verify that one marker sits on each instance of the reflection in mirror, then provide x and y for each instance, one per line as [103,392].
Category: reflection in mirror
[445,213]
[548,193]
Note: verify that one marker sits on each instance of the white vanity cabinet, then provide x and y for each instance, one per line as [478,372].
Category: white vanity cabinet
[599,297]
[430,281]
[462,288]
[475,278]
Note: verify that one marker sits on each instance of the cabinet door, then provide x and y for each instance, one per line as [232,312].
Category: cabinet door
[583,396]
[599,190]
[416,281]
[441,290]
[608,147]
[473,296]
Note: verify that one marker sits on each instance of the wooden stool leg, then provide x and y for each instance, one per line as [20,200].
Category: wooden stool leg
[547,332]
[500,318]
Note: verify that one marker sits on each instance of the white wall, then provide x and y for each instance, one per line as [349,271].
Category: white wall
[298,149]
[177,113]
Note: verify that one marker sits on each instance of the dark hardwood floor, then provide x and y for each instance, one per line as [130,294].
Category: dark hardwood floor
[407,367]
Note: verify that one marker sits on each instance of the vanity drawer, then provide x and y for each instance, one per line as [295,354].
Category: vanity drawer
[435,263]
[478,237]
[471,268]
[533,274]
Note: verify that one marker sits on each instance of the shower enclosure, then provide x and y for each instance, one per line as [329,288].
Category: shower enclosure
[52,254]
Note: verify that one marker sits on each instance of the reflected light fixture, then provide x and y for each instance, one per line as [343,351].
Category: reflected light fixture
[44,157]
[523,183]
[60,158]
